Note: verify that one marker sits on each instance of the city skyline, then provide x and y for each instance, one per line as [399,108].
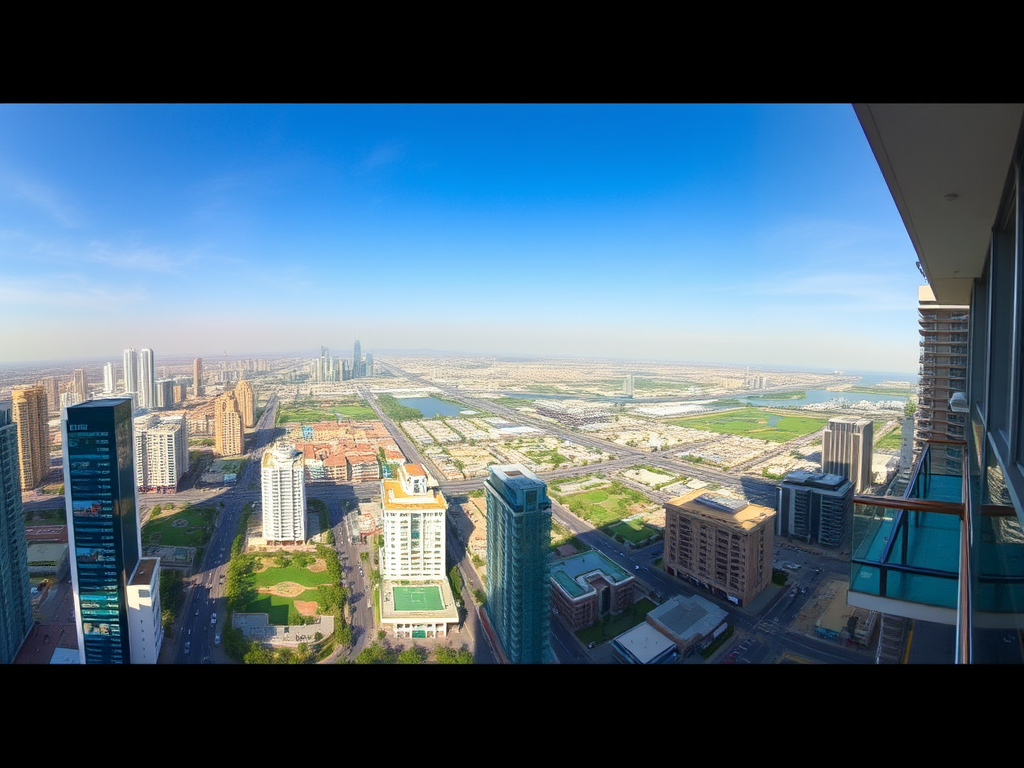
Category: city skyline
[611,231]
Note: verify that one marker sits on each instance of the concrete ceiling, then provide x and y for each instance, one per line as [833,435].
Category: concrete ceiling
[929,151]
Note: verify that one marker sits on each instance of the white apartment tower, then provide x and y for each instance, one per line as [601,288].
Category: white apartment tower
[284,495]
[161,451]
[108,378]
[131,371]
[413,522]
[147,380]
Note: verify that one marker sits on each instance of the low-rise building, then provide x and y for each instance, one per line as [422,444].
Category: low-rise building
[587,587]
[689,622]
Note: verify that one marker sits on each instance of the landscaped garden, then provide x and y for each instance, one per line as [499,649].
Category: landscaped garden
[754,422]
[603,507]
[634,531]
[188,527]
[311,410]
[286,586]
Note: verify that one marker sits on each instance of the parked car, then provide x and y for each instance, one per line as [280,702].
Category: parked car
[213,620]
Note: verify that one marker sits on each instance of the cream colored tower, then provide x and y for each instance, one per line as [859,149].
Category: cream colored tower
[31,414]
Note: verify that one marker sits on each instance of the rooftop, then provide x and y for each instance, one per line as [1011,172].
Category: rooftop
[738,512]
[570,574]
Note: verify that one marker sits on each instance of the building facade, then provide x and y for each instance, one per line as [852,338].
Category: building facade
[518,543]
[228,430]
[108,378]
[847,448]
[79,384]
[944,332]
[15,593]
[197,377]
[161,451]
[52,389]
[587,587]
[246,403]
[31,414]
[413,523]
[147,379]
[283,485]
[721,544]
[130,368]
[815,508]
[104,532]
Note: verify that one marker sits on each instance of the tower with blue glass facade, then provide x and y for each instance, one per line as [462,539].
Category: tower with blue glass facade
[518,546]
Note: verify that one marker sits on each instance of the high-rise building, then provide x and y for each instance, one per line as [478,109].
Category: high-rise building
[847,448]
[161,451]
[228,430]
[368,365]
[518,545]
[131,371]
[413,522]
[357,361]
[164,393]
[246,402]
[31,415]
[108,378]
[147,379]
[79,384]
[944,333]
[719,543]
[197,377]
[949,552]
[15,591]
[49,385]
[116,591]
[284,495]
[627,385]
[815,508]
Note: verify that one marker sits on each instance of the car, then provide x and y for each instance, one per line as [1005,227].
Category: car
[734,655]
[636,567]
[591,644]
[187,646]
[622,554]
[216,640]
[213,620]
[197,611]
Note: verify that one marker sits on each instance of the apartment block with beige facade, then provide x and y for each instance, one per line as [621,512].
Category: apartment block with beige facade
[246,403]
[229,432]
[720,543]
[31,414]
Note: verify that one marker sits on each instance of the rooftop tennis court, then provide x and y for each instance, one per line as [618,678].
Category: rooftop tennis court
[420,598]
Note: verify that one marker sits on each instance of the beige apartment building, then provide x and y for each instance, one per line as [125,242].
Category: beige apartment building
[228,431]
[721,544]
[246,402]
[31,414]
[847,447]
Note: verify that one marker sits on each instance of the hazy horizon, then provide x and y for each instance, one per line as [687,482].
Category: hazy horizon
[760,235]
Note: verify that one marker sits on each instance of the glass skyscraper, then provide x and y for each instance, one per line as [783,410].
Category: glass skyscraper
[518,546]
[103,524]
[15,594]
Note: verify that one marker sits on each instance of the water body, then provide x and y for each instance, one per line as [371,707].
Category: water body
[431,406]
[815,396]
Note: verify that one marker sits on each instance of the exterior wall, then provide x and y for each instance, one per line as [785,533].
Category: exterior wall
[131,371]
[283,495]
[413,526]
[229,434]
[813,514]
[246,402]
[103,524]
[729,559]
[147,379]
[945,330]
[518,542]
[144,621]
[15,592]
[197,377]
[847,448]
[31,415]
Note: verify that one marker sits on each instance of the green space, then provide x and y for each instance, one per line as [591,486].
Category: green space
[896,392]
[633,531]
[647,384]
[795,395]
[511,402]
[427,598]
[550,456]
[602,507]
[613,626]
[891,442]
[311,410]
[299,575]
[186,527]
[754,422]
[203,442]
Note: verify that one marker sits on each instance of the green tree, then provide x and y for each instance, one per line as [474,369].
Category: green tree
[376,654]
[412,655]
[257,654]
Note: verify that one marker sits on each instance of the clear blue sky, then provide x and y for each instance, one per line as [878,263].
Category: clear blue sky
[749,234]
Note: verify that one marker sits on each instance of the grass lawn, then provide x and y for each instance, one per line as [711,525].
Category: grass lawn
[161,530]
[308,411]
[626,620]
[275,575]
[753,422]
[892,441]
[632,531]
[602,507]
[276,607]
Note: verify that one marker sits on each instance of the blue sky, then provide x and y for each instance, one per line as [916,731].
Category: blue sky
[749,234]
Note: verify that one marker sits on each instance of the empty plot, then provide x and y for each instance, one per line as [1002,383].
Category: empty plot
[755,422]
